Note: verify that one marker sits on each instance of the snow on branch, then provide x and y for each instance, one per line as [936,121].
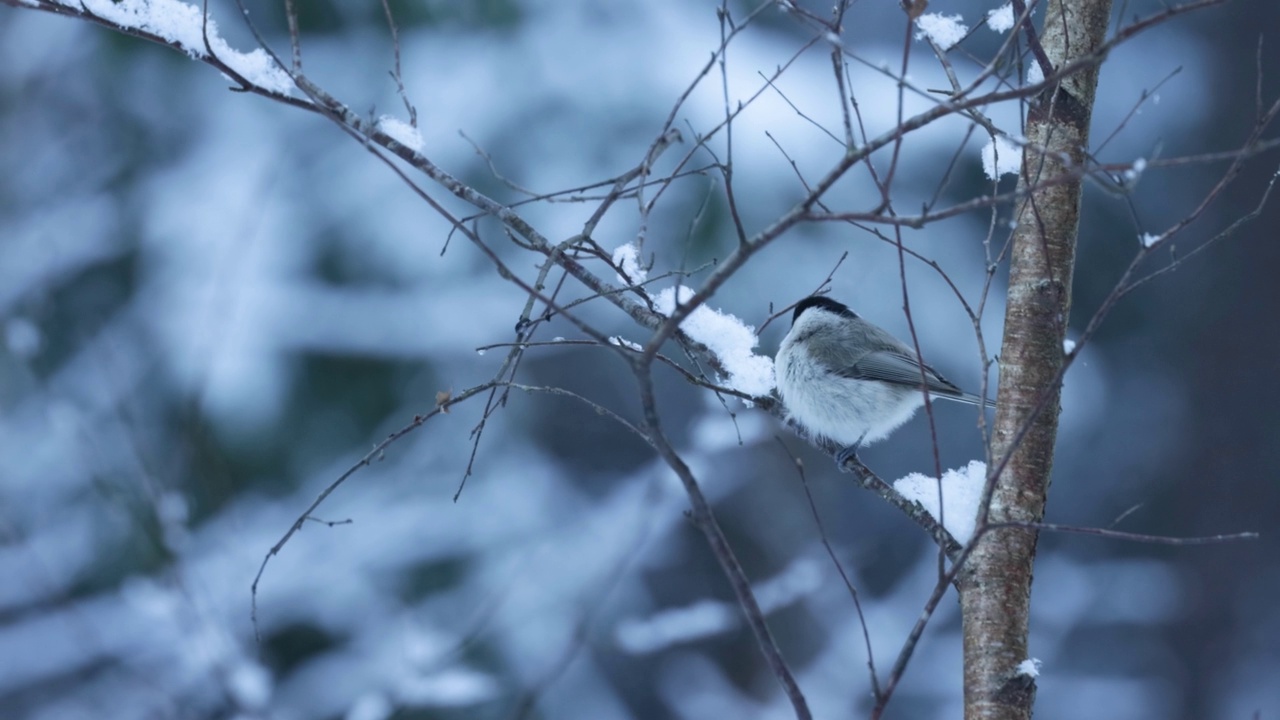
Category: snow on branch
[729,338]
[186,27]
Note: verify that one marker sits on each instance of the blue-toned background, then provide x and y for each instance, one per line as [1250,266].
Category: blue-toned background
[212,305]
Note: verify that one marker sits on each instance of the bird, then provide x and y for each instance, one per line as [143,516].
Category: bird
[843,379]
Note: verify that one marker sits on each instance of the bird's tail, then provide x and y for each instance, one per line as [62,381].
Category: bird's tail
[969,399]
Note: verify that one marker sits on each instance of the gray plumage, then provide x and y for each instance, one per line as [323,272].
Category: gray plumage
[842,378]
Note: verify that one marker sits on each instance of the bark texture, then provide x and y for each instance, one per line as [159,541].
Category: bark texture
[995,584]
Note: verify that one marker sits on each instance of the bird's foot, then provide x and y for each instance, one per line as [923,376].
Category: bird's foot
[846,454]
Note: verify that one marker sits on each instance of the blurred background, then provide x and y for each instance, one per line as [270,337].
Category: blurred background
[212,305]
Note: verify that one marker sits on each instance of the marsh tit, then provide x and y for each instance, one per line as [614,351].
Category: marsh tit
[844,379]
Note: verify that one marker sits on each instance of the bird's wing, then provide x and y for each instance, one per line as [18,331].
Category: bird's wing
[899,369]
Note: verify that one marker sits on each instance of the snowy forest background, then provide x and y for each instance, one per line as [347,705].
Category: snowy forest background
[212,305]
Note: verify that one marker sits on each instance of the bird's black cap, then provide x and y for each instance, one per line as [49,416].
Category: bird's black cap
[823,302]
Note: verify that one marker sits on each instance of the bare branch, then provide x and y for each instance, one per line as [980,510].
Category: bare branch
[1133,537]
[831,553]
[368,459]
[705,521]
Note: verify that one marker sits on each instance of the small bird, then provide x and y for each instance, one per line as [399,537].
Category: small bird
[846,380]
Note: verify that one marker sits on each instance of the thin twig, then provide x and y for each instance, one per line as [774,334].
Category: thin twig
[368,459]
[1121,535]
[844,576]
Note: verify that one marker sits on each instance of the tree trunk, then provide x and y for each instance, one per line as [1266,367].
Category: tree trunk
[995,585]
